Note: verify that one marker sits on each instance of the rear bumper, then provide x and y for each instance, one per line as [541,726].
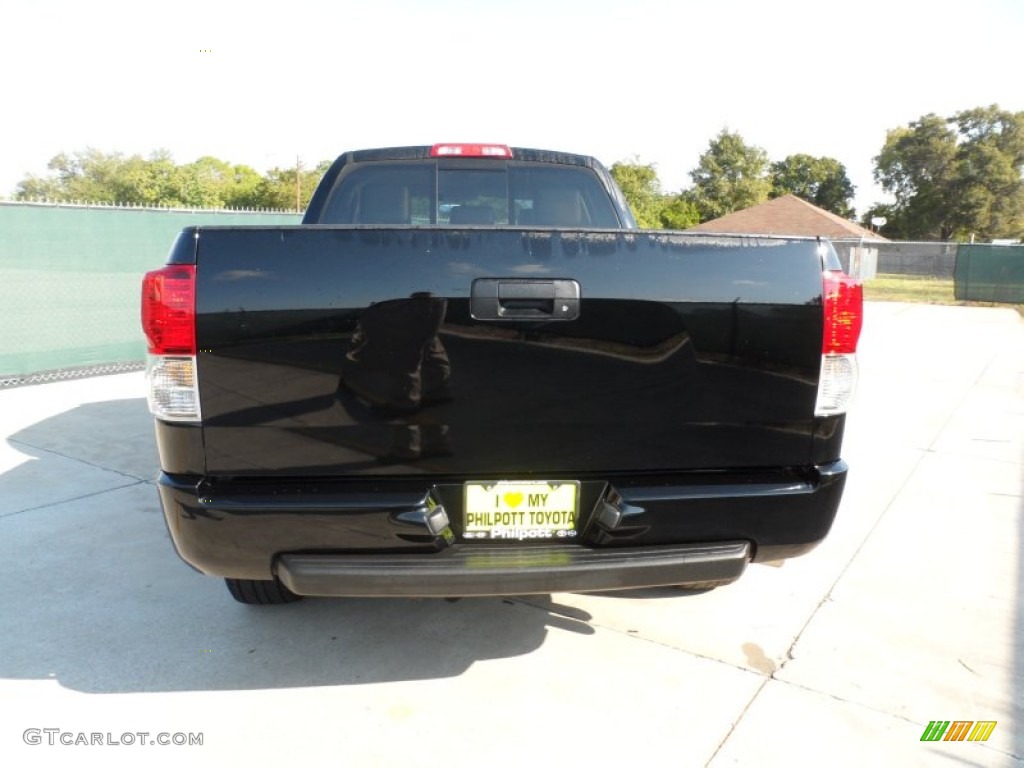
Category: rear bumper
[370,537]
[515,571]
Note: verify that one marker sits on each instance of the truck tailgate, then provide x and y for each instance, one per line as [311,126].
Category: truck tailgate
[445,352]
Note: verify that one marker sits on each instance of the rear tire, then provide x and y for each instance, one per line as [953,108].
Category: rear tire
[252,592]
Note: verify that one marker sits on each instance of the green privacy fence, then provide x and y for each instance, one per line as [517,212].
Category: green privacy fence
[989,273]
[70,279]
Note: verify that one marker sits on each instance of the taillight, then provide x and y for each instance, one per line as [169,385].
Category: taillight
[169,322]
[169,310]
[844,313]
[843,317]
[470,150]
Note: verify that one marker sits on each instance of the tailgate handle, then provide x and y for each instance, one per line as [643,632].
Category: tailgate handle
[520,299]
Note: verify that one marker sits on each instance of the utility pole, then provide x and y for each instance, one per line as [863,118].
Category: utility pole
[298,184]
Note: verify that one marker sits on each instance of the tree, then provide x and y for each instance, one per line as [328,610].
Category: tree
[821,181]
[917,166]
[148,182]
[989,186]
[730,176]
[241,187]
[894,226]
[678,212]
[956,177]
[94,176]
[651,208]
[34,187]
[278,188]
[639,183]
[213,183]
[88,175]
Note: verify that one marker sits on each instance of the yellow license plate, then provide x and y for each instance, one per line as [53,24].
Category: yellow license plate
[520,511]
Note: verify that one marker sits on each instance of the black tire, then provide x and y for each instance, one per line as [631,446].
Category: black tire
[253,592]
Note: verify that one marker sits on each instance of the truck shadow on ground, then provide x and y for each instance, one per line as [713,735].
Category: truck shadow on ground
[94,597]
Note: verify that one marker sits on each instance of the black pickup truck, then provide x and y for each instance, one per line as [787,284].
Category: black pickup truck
[468,373]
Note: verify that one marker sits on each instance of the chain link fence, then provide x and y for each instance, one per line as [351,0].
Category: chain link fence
[64,374]
[70,282]
[985,272]
[934,260]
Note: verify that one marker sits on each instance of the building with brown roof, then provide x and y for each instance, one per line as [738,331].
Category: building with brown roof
[790,215]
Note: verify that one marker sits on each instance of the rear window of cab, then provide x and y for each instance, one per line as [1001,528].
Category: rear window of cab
[456,193]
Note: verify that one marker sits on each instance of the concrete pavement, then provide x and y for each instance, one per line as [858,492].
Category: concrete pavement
[911,611]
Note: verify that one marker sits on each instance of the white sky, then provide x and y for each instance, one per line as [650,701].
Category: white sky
[656,80]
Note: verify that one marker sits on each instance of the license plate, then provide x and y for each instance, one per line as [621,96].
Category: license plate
[520,511]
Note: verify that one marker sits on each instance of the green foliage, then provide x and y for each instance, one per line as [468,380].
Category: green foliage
[651,208]
[639,183]
[87,175]
[278,189]
[990,184]
[730,176]
[893,228]
[821,181]
[93,176]
[679,212]
[917,166]
[955,177]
